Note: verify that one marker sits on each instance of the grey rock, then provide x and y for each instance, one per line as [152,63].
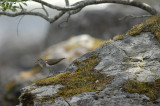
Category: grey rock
[133,57]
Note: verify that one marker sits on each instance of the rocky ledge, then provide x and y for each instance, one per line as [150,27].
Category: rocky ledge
[124,71]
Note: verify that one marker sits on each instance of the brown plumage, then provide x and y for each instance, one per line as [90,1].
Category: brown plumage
[49,62]
[53,61]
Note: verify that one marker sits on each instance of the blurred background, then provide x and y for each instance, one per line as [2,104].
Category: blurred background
[22,42]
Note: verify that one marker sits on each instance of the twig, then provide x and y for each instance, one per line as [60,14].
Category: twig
[45,10]
[18,24]
[22,18]
[69,15]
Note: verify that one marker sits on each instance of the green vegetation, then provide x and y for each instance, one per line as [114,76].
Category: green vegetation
[151,25]
[150,89]
[84,79]
[6,5]
[118,37]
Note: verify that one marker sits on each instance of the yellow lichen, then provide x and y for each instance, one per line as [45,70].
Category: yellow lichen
[150,89]
[118,37]
[151,25]
[84,79]
[108,41]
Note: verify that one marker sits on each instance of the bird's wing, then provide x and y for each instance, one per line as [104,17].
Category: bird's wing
[54,61]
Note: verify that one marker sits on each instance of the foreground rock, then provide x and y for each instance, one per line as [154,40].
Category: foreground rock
[70,49]
[123,72]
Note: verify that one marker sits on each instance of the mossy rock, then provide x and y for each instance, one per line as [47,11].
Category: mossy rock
[84,79]
[151,25]
[150,89]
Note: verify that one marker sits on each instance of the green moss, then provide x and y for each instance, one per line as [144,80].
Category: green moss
[150,89]
[47,98]
[84,79]
[151,25]
[118,37]
[108,41]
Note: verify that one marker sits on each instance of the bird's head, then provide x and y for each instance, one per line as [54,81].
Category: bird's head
[40,62]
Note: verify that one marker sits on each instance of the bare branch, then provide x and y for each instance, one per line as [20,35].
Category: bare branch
[57,17]
[18,24]
[45,10]
[23,17]
[51,20]
[24,13]
[75,8]
[82,4]
[48,4]
[69,15]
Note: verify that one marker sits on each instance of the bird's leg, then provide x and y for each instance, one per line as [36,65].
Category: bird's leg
[50,71]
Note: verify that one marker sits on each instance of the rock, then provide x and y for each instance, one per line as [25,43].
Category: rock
[70,49]
[123,72]
[124,59]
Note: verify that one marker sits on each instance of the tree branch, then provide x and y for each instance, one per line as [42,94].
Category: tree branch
[82,4]
[51,20]
[57,17]
[76,7]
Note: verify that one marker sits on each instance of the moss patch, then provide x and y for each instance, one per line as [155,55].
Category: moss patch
[108,41]
[84,79]
[47,98]
[150,89]
[118,37]
[151,25]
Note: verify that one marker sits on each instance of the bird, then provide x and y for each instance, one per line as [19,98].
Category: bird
[49,63]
